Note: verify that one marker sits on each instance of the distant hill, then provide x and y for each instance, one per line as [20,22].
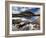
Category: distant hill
[24,14]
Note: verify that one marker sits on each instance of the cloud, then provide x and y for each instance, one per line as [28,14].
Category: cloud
[17,10]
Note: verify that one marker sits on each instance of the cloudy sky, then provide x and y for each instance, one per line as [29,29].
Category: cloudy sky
[17,10]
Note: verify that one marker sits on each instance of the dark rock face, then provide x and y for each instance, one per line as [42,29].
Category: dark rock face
[26,12]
